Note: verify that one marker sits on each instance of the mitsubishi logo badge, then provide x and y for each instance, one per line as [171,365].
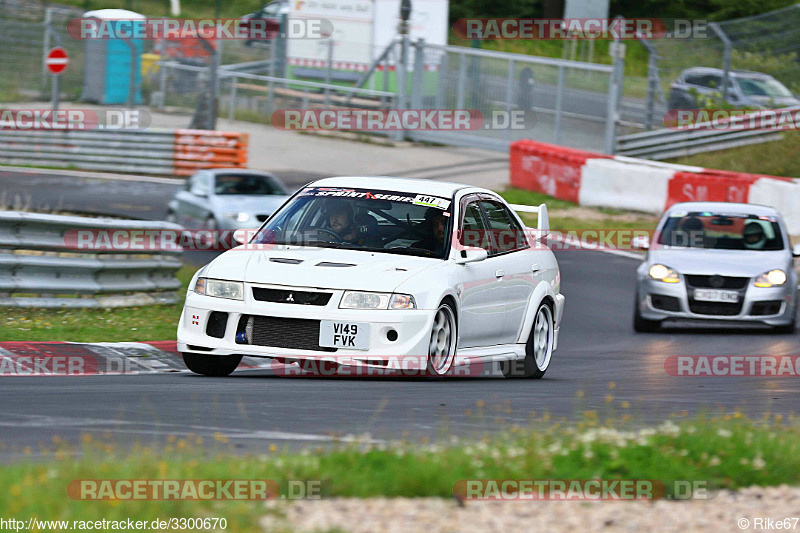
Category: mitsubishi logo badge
[290,298]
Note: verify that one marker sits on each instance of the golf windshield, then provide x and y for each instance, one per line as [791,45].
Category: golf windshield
[720,231]
[246,184]
[370,220]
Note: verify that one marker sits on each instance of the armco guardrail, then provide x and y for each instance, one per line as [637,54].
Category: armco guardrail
[40,265]
[178,152]
[720,134]
[599,180]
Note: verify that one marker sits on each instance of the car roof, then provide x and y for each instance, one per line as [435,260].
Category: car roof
[435,188]
[243,171]
[725,207]
[715,70]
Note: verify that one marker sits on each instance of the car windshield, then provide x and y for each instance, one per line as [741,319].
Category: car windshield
[721,231]
[246,184]
[371,220]
[763,87]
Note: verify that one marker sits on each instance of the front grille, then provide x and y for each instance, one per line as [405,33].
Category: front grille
[716,282]
[289,333]
[665,303]
[285,296]
[715,308]
[217,321]
[770,307]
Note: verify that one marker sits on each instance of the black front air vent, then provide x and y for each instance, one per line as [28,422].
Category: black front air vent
[285,260]
[217,321]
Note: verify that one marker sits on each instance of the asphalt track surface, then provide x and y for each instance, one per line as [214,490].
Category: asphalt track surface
[255,409]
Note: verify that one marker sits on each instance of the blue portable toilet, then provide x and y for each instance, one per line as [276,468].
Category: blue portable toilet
[107,68]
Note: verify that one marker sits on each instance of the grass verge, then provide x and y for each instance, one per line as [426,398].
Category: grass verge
[775,158]
[728,452]
[567,216]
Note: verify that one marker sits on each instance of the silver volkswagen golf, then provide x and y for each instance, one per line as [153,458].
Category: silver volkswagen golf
[718,261]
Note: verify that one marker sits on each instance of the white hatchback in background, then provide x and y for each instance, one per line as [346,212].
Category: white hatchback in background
[367,269]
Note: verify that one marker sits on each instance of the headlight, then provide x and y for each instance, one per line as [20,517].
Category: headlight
[233,290]
[238,217]
[376,300]
[664,273]
[772,278]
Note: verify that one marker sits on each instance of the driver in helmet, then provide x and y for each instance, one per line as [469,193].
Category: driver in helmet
[754,236]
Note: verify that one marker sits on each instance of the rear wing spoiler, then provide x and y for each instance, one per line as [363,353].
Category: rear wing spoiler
[543,220]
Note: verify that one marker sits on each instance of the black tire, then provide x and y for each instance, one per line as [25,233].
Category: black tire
[529,367]
[641,324]
[211,365]
[442,340]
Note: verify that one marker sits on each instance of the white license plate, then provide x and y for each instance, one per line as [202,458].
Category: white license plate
[348,335]
[715,295]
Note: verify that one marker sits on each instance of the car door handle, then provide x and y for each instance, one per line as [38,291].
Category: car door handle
[499,273]
[535,268]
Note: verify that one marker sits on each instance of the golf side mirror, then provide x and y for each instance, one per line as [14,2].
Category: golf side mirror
[641,242]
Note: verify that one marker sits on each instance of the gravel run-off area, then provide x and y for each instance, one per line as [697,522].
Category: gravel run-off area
[722,512]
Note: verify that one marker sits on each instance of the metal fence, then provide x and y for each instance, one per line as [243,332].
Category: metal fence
[41,267]
[246,96]
[768,43]
[564,102]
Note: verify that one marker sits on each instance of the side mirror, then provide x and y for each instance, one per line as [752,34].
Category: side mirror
[796,251]
[641,242]
[200,193]
[471,255]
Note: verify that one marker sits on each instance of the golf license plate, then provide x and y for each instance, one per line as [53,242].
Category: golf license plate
[347,335]
[716,295]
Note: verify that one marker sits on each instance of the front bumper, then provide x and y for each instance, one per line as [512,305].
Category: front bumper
[650,290]
[413,327]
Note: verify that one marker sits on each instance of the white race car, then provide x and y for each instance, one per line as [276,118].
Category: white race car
[373,272]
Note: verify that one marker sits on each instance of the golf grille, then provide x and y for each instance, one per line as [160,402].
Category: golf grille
[289,333]
[716,282]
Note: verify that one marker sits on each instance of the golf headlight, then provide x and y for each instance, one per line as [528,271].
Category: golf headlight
[233,290]
[773,278]
[664,273]
[238,217]
[376,300]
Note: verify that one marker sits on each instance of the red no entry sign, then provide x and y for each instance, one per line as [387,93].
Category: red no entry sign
[57,60]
